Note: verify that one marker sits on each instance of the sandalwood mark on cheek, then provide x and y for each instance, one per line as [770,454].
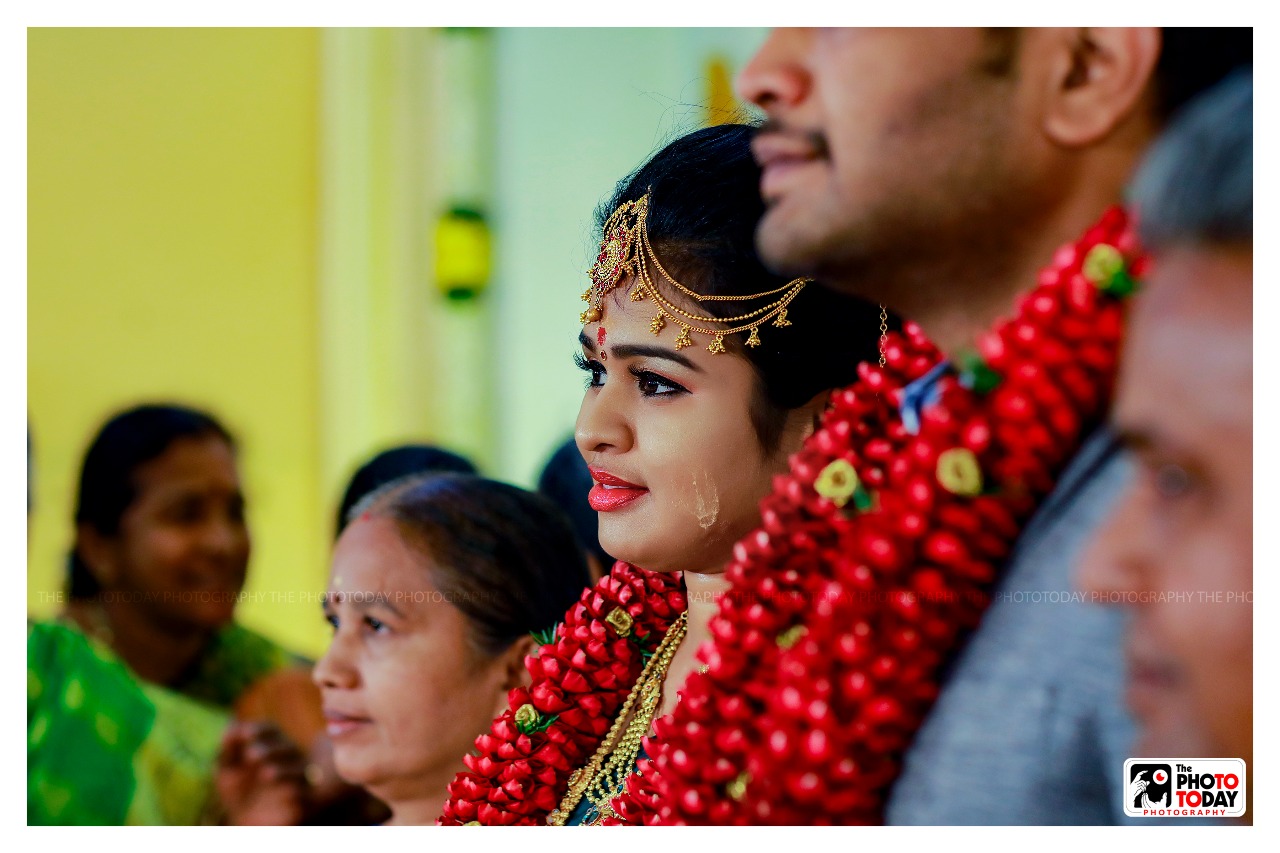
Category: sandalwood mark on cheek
[706,500]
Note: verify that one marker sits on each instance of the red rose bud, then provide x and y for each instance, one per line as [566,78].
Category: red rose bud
[1067,257]
[692,803]
[503,728]
[805,787]
[993,350]
[816,746]
[880,550]
[882,711]
[575,682]
[884,668]
[548,699]
[905,639]
[920,365]
[1012,405]
[944,547]
[905,603]
[779,744]
[855,686]
[873,377]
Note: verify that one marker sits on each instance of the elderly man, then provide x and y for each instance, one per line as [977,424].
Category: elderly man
[1178,549]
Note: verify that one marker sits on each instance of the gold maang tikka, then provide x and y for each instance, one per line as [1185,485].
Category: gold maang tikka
[625,250]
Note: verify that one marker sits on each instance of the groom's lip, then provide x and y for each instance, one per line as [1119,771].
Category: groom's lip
[780,157]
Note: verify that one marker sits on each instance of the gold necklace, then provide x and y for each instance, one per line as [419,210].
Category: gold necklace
[605,775]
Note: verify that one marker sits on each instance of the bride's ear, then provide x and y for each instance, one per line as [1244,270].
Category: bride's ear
[815,408]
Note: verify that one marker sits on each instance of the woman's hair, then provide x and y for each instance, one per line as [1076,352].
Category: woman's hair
[704,205]
[505,557]
[392,464]
[125,443]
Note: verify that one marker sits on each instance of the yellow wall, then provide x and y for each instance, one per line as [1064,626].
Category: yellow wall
[241,220]
[172,253]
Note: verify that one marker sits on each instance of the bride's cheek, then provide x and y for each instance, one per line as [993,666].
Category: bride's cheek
[705,498]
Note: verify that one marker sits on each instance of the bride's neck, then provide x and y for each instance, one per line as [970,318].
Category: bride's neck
[704,592]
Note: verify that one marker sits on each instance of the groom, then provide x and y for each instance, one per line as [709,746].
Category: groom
[936,171]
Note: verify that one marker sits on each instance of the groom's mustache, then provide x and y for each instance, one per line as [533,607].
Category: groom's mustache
[813,140]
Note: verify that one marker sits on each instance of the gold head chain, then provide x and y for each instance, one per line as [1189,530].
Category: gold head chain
[625,250]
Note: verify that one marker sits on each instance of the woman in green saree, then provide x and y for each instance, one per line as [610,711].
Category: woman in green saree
[106,748]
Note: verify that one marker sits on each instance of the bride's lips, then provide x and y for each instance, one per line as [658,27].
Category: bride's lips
[337,724]
[611,492]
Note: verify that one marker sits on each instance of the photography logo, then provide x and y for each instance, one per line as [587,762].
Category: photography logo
[1184,787]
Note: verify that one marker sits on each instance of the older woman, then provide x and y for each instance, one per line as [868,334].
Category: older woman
[437,585]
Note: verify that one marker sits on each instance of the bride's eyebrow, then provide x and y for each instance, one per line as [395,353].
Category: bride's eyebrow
[641,351]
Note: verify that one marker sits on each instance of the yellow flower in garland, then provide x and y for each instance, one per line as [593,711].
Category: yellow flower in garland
[1104,267]
[1102,262]
[959,472]
[791,636]
[837,482]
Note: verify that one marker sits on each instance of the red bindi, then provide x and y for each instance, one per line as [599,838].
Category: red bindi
[600,336]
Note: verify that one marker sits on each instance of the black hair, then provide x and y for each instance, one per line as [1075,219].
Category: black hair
[1196,184]
[505,557]
[1193,59]
[566,481]
[127,441]
[392,464]
[704,206]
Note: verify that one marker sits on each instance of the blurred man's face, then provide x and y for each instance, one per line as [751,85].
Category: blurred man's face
[884,144]
[1179,547]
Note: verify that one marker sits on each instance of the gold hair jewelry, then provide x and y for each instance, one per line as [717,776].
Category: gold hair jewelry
[625,250]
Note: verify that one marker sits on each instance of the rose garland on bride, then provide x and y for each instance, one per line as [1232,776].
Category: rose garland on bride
[875,558]
[580,681]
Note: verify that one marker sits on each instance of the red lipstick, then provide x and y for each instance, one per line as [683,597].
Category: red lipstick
[611,492]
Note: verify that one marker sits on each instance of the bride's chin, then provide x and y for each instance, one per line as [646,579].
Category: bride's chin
[642,560]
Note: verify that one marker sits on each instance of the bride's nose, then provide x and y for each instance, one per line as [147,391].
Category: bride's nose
[603,426]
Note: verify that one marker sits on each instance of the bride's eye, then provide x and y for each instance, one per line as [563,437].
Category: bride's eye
[591,366]
[653,385]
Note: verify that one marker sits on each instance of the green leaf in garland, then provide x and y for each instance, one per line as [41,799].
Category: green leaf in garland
[547,636]
[863,500]
[529,720]
[975,373]
[1121,285]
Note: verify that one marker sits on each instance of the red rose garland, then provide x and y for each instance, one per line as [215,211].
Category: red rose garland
[579,683]
[826,658]
[875,558]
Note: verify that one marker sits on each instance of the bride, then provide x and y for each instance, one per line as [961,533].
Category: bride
[704,372]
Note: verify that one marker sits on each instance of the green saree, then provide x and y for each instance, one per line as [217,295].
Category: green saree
[104,748]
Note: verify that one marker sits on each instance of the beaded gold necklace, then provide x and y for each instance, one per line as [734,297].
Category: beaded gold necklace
[605,775]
